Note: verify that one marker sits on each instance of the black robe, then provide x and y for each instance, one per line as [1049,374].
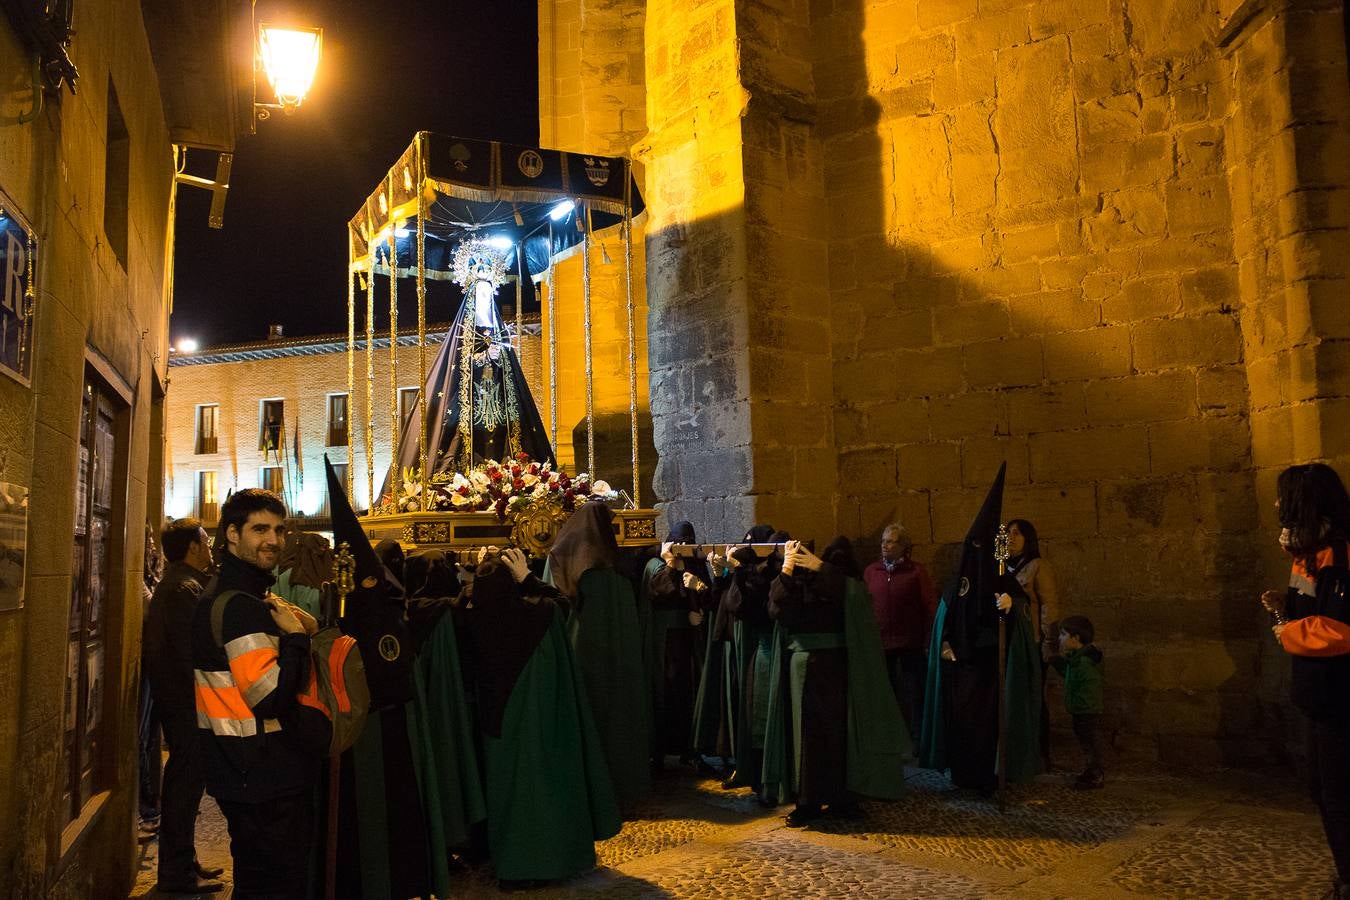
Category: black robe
[810,608]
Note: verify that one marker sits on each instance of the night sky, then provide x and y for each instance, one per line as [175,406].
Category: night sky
[462,67]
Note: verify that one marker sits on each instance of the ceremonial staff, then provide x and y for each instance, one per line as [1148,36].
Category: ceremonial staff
[344,581]
[1001,554]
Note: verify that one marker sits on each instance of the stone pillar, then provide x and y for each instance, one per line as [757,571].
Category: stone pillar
[1289,181]
[740,372]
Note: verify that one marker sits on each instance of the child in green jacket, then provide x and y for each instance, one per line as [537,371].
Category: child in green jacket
[1081,665]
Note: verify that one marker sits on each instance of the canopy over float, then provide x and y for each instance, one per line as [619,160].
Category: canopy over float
[473,465]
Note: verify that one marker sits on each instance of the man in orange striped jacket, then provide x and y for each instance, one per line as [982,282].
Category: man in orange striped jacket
[258,707]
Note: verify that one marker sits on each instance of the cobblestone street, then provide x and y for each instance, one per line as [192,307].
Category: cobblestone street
[1229,834]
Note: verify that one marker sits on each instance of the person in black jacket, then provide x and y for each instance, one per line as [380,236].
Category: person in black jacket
[168,668]
[258,707]
[1312,625]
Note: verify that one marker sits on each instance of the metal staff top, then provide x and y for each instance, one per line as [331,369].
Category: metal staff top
[1001,549]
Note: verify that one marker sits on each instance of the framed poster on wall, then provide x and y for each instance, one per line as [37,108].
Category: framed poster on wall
[18,291]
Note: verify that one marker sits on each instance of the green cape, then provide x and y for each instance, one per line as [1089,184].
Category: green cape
[1022,691]
[548,787]
[447,765]
[879,744]
[607,642]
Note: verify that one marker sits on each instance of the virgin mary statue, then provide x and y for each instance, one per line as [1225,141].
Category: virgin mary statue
[478,402]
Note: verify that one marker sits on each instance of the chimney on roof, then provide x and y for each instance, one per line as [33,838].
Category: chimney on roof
[274,332]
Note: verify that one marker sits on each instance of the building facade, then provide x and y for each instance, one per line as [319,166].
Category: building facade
[891,245]
[266,414]
[91,114]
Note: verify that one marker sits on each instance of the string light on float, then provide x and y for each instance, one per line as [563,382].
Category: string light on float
[561,210]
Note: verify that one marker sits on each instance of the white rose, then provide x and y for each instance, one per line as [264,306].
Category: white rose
[600,488]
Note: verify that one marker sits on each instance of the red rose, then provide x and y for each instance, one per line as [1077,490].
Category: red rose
[495,475]
[518,484]
[523,456]
[564,482]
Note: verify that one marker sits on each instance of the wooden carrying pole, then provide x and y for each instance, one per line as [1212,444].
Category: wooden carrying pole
[1001,554]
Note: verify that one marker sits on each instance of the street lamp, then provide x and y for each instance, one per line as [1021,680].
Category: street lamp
[289,57]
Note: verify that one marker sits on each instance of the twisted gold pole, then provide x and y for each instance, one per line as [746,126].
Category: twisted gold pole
[421,321]
[552,349]
[590,369]
[370,386]
[395,426]
[632,351]
[351,366]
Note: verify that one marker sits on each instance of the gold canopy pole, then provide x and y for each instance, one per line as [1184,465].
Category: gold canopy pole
[421,320]
[466,342]
[590,374]
[552,351]
[395,429]
[520,281]
[632,348]
[351,362]
[370,385]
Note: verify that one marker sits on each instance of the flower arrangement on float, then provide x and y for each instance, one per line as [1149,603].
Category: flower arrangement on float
[496,486]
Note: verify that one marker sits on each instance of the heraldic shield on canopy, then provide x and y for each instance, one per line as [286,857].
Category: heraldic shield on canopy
[474,464]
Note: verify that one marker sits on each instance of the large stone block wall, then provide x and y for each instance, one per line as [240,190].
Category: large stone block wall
[1102,241]
[1288,172]
[1032,240]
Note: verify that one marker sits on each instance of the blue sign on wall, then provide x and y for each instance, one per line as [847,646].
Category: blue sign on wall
[18,265]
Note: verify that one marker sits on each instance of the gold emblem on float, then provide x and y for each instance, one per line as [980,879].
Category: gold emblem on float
[534,525]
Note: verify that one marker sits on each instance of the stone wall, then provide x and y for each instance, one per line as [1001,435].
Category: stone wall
[93,311]
[1291,213]
[1032,232]
[894,244]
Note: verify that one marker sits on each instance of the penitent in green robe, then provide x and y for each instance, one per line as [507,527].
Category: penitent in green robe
[1022,686]
[447,764]
[548,789]
[878,743]
[607,641]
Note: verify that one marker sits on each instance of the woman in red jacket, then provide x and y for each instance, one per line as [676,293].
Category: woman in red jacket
[1313,627]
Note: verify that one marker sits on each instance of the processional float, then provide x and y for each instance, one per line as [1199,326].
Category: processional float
[472,465]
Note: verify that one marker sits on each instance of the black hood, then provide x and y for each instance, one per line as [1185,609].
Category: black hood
[971,614]
[374,617]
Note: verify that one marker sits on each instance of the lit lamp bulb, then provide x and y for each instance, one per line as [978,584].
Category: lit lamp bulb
[290,57]
[187,345]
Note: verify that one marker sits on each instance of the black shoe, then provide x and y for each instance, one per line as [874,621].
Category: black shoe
[208,873]
[1090,780]
[192,886]
[803,816]
[732,781]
